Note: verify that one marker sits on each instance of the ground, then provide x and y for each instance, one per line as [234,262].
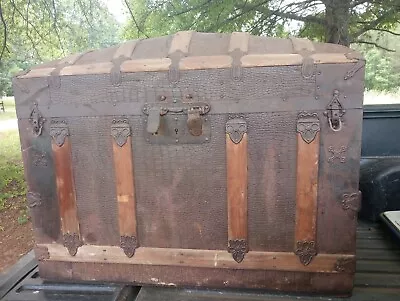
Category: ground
[16,238]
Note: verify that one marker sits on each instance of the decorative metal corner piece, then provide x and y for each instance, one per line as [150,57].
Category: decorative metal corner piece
[72,242]
[36,120]
[59,131]
[34,199]
[351,201]
[339,154]
[306,250]
[345,265]
[238,248]
[334,112]
[354,69]
[128,244]
[308,126]
[236,128]
[120,131]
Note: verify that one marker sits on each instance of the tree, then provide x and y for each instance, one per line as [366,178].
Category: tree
[32,32]
[333,21]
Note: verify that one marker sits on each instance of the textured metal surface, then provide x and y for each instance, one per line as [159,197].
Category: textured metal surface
[94,180]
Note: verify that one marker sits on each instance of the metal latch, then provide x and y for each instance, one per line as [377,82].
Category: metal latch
[193,111]
[334,112]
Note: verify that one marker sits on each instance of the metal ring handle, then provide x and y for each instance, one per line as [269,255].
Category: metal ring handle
[332,127]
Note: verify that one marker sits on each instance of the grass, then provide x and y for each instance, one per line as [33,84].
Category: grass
[9,107]
[12,183]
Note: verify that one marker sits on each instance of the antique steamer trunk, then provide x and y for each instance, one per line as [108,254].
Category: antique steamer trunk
[213,160]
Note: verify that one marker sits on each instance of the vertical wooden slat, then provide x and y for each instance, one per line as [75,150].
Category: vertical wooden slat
[125,186]
[61,147]
[65,187]
[308,140]
[236,160]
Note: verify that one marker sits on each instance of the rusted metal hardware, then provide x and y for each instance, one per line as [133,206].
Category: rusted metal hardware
[351,201]
[72,242]
[308,126]
[34,199]
[36,120]
[238,248]
[345,265]
[120,131]
[167,123]
[59,131]
[128,244]
[337,154]
[236,128]
[306,250]
[334,112]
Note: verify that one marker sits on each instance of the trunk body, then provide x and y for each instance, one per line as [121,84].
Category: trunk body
[196,160]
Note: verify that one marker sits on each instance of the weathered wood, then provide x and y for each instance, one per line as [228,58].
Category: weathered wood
[239,40]
[236,164]
[65,187]
[181,42]
[125,187]
[278,261]
[306,189]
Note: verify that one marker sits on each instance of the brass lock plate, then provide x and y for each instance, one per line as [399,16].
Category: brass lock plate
[186,123]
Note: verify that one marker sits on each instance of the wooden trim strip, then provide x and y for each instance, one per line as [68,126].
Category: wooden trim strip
[205,62]
[97,68]
[146,65]
[61,148]
[278,261]
[264,60]
[125,187]
[236,161]
[308,143]
[239,40]
[181,42]
[194,63]
[332,58]
[126,49]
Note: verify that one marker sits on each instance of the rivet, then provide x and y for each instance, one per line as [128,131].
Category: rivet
[176,118]
[188,96]
[162,98]
[206,138]
[145,120]
[147,139]
[206,119]
[316,97]
[174,100]
[318,87]
[177,140]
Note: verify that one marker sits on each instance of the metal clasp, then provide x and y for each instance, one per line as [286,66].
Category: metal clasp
[335,112]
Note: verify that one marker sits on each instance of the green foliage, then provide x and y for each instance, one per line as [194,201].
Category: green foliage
[380,73]
[38,31]
[12,182]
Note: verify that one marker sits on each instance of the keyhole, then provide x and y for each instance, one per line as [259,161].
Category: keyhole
[176,131]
